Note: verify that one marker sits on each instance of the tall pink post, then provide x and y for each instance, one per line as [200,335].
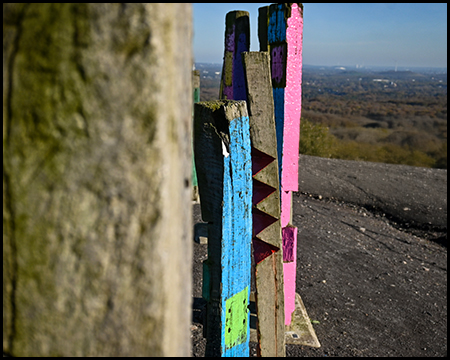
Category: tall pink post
[280,32]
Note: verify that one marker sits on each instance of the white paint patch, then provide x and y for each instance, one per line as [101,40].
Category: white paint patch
[224,150]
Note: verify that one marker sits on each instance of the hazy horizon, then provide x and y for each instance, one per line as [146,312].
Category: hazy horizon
[399,68]
[365,35]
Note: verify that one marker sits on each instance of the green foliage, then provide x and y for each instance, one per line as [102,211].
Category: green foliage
[386,153]
[315,139]
[441,157]
[347,115]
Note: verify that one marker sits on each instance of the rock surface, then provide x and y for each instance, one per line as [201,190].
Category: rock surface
[414,196]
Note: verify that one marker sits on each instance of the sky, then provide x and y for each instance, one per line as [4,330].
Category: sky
[337,34]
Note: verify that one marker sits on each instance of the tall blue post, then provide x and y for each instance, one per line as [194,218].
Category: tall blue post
[224,171]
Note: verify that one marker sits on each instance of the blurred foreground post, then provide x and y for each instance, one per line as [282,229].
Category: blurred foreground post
[223,159]
[96,179]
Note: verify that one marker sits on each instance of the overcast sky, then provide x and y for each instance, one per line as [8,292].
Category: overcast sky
[366,34]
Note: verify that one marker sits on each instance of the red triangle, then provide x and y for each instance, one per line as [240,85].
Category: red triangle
[261,191]
[261,250]
[259,160]
[261,220]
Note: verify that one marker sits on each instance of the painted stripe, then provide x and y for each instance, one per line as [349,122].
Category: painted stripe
[237,40]
[277,24]
[293,97]
[289,272]
[286,208]
[287,100]
[239,87]
[289,242]
[278,103]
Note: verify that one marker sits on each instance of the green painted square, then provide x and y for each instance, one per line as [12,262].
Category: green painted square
[236,319]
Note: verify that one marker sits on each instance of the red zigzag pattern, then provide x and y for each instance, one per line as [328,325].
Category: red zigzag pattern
[264,196]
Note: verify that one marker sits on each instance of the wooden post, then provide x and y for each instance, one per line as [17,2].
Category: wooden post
[196,85]
[196,99]
[224,170]
[237,40]
[267,242]
[97,220]
[283,24]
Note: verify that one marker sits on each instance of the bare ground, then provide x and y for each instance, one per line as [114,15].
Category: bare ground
[372,259]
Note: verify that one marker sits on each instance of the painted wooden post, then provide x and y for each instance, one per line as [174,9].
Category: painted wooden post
[196,85]
[267,241]
[283,24]
[237,40]
[224,170]
[196,99]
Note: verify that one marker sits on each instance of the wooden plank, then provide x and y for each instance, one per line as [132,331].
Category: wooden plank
[223,159]
[283,24]
[267,242]
[293,98]
[289,268]
[237,40]
[269,294]
[196,85]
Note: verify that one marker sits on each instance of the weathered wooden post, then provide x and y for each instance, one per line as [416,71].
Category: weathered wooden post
[223,159]
[237,40]
[267,242]
[96,179]
[196,85]
[196,99]
[280,32]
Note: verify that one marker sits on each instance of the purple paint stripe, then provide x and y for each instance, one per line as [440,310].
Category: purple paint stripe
[229,39]
[239,87]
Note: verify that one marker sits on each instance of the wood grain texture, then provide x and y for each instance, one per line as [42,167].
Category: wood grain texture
[97,119]
[284,26]
[267,243]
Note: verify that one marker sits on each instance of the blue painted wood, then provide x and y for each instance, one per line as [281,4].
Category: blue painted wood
[278,104]
[277,24]
[223,158]
[237,224]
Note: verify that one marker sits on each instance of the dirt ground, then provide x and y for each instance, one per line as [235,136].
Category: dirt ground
[372,259]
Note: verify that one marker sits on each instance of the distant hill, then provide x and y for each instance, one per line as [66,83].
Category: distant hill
[401,75]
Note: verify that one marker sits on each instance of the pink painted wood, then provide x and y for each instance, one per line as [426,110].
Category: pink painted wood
[292,100]
[281,33]
[291,140]
[289,270]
